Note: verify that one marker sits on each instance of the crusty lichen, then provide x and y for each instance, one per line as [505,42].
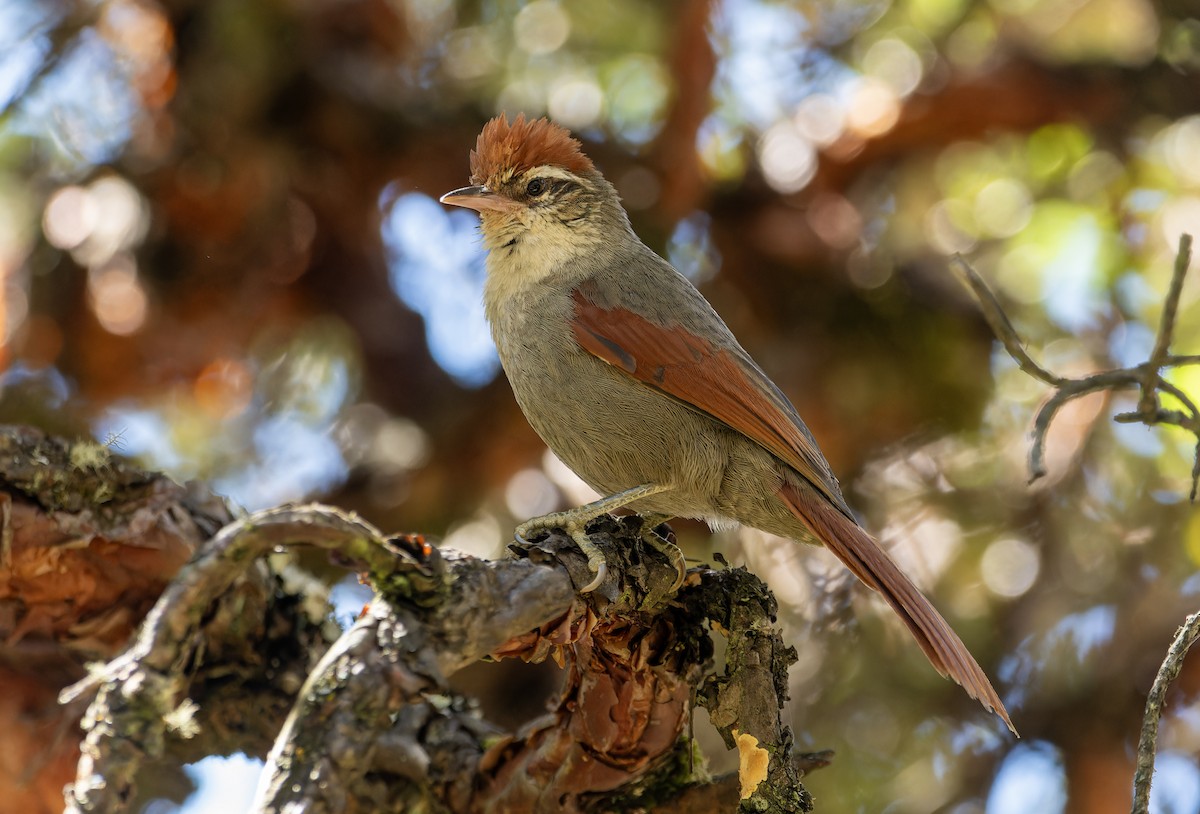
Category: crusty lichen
[70,476]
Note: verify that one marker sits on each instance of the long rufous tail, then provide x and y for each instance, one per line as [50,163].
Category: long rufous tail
[870,563]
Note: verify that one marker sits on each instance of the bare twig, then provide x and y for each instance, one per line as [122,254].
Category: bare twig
[1146,377]
[999,322]
[1148,743]
[1068,390]
[1166,324]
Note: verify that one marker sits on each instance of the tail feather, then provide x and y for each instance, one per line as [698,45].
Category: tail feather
[871,564]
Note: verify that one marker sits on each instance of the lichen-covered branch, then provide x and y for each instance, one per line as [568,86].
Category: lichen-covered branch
[375,724]
[141,694]
[87,544]
[378,724]
[757,660]
[228,660]
[1148,742]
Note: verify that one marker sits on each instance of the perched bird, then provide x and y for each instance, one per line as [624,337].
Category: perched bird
[633,380]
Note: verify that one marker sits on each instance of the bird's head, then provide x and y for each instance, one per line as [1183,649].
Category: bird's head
[535,189]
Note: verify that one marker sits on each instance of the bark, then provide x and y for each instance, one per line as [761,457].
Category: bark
[87,544]
[229,660]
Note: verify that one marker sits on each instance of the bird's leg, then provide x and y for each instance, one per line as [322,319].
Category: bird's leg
[574,522]
[664,546]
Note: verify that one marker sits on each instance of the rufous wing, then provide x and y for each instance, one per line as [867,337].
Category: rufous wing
[715,381]
[723,384]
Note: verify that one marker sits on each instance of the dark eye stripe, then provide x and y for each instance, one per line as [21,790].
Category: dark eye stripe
[551,188]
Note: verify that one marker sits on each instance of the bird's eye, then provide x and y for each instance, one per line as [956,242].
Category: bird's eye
[536,187]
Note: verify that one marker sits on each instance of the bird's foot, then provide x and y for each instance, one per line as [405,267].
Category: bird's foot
[572,524]
[665,545]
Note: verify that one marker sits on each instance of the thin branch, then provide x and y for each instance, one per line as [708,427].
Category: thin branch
[999,322]
[1148,379]
[1148,743]
[1069,390]
[1166,325]
[1195,471]
[1145,376]
[1189,421]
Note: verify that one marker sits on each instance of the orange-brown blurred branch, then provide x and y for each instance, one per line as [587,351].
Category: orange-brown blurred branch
[693,65]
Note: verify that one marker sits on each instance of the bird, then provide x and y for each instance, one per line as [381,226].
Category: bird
[635,382]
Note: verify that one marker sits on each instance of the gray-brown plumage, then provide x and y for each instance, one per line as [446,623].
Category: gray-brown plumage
[636,383]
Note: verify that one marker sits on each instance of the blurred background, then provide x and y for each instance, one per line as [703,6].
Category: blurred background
[221,252]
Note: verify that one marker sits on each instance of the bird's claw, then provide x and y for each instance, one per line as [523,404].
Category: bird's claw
[595,556]
[601,569]
[531,528]
[672,552]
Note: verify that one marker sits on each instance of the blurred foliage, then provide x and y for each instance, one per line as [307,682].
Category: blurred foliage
[221,252]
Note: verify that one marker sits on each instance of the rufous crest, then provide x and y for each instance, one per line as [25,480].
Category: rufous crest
[510,149]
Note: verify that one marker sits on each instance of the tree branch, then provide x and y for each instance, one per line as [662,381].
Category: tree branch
[140,695]
[88,543]
[1148,743]
[999,322]
[376,724]
[376,719]
[1147,376]
[1166,325]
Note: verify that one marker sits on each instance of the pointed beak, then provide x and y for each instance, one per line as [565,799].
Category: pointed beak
[479,198]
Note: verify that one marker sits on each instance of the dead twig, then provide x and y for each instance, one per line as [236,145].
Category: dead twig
[998,321]
[1146,377]
[1148,743]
